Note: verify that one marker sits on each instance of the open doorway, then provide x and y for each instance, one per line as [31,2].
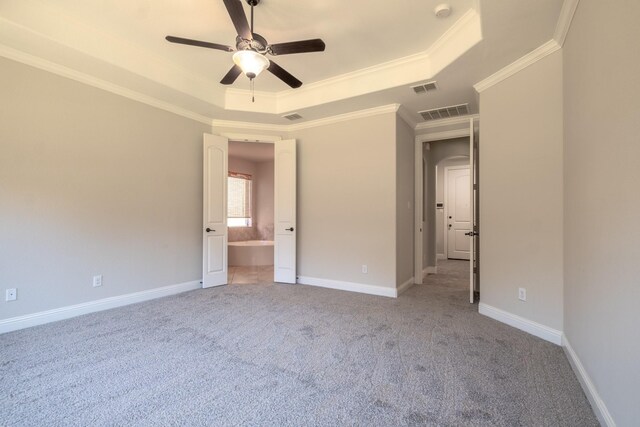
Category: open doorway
[446,206]
[215,227]
[250,212]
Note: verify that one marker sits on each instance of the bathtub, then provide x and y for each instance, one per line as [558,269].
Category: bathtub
[251,252]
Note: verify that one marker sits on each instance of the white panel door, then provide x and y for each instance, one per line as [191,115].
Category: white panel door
[214,230]
[285,212]
[419,211]
[473,200]
[458,213]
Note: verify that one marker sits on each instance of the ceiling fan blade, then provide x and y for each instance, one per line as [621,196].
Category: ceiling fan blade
[302,46]
[199,43]
[239,19]
[231,76]
[283,75]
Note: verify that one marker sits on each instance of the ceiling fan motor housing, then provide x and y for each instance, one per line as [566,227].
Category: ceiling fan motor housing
[259,43]
[251,49]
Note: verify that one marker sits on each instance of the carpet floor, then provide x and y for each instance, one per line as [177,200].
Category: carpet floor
[272,354]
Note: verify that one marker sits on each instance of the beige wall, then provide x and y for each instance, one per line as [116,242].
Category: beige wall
[347,200]
[602,200]
[405,180]
[521,206]
[92,183]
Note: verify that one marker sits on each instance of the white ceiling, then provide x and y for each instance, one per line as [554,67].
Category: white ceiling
[121,44]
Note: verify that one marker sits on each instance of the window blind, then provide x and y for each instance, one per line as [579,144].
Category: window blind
[239,196]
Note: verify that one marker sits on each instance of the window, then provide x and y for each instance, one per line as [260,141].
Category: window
[239,200]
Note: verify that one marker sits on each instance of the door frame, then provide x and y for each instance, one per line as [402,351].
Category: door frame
[446,205]
[436,131]
[251,137]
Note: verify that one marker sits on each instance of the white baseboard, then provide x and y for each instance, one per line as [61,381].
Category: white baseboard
[598,406]
[404,286]
[348,286]
[432,269]
[42,317]
[534,328]
[441,256]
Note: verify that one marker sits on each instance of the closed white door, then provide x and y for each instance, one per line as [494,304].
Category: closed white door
[459,216]
[285,212]
[214,229]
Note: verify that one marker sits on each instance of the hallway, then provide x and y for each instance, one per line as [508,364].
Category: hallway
[452,273]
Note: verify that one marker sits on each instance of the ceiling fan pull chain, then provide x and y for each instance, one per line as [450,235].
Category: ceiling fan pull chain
[253,98]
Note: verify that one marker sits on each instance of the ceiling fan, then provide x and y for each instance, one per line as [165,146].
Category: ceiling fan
[251,48]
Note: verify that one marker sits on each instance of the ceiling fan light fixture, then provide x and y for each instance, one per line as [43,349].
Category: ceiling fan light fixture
[251,62]
[251,48]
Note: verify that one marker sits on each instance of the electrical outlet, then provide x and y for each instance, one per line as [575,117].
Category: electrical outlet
[11,294]
[365,269]
[97,281]
[522,294]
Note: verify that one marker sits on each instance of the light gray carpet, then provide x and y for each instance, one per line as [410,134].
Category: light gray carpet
[295,355]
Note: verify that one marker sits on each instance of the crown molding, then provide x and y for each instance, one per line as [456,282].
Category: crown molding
[391,108]
[562,28]
[406,116]
[447,122]
[26,25]
[518,65]
[250,137]
[447,134]
[63,71]
[458,39]
[564,20]
[38,28]
[236,125]
[461,36]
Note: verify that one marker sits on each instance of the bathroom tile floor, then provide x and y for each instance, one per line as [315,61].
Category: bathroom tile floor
[254,274]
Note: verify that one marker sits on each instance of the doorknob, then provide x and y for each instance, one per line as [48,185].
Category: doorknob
[449,225]
[288,229]
[209,230]
[471,234]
